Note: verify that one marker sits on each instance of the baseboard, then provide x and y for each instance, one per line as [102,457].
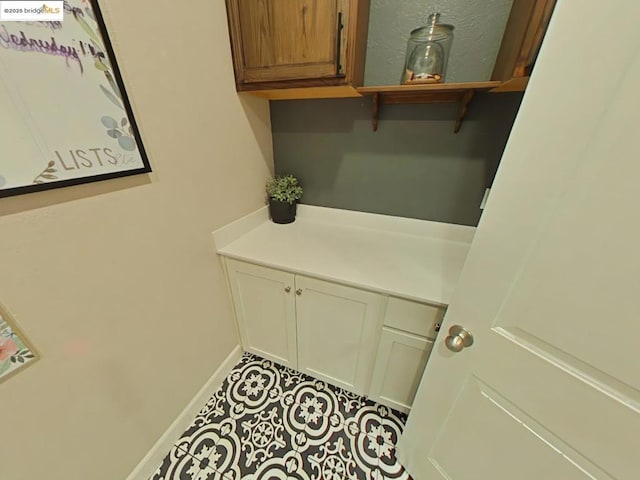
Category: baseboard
[153,459]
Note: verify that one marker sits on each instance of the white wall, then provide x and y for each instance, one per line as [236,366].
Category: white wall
[116,283]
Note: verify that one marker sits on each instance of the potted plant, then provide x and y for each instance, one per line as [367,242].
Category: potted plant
[284,193]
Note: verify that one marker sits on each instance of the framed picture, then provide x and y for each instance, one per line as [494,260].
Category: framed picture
[65,117]
[15,350]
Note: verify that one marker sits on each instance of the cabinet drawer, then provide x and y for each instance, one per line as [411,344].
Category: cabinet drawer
[413,317]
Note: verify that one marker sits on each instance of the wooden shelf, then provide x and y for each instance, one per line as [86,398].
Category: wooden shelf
[461,93]
[402,90]
[305,93]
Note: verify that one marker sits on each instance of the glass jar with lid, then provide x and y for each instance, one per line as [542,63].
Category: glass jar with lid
[428,50]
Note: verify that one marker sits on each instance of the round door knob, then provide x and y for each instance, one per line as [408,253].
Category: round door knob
[287,289]
[299,291]
[458,338]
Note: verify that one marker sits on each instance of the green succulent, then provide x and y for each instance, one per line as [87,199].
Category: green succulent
[284,188]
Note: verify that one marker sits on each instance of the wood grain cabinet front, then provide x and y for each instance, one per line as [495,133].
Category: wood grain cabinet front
[282,46]
[292,49]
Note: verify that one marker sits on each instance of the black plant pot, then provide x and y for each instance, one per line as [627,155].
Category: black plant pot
[282,212]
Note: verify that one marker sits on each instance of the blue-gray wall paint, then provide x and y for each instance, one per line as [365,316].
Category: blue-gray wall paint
[413,166]
[479,27]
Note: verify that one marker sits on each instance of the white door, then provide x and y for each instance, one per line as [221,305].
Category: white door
[264,302]
[550,390]
[338,332]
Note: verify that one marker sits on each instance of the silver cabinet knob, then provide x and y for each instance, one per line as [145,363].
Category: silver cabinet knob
[287,289]
[299,291]
[458,338]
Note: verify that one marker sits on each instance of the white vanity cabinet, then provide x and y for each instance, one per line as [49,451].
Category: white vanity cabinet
[264,302]
[405,344]
[365,302]
[327,330]
[338,332]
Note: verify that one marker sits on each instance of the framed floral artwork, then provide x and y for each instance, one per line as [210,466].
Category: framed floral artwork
[15,350]
[65,117]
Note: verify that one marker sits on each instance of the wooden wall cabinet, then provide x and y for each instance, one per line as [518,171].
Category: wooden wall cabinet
[298,48]
[292,49]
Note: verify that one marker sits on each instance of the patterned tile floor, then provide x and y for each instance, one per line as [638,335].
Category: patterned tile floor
[271,422]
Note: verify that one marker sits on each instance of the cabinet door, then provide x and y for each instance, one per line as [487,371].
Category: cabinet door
[338,332]
[265,311]
[399,365]
[286,39]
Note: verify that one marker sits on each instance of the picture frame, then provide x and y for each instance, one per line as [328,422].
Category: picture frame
[16,351]
[65,112]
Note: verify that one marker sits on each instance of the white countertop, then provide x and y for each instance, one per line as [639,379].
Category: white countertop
[413,259]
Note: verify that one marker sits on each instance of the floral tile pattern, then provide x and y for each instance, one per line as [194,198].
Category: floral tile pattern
[268,421]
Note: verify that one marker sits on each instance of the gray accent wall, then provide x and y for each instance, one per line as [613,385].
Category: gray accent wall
[413,166]
[478,29]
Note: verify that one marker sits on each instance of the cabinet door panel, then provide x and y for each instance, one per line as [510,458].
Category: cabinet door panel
[399,366]
[265,311]
[338,331]
[286,39]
